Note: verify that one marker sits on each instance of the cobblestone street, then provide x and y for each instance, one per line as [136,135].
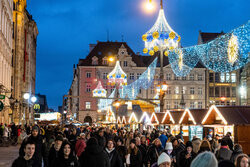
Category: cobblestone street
[8,155]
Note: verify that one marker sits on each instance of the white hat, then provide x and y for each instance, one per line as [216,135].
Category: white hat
[163,158]
[169,146]
[82,134]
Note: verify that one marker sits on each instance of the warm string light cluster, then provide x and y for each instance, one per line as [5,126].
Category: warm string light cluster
[143,82]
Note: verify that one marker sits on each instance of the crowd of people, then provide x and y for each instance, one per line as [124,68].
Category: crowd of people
[54,146]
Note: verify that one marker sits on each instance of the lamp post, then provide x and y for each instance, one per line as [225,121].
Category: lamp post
[161,37]
[162,91]
[30,100]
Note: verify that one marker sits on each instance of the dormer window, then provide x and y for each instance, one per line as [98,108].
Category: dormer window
[105,61]
[95,61]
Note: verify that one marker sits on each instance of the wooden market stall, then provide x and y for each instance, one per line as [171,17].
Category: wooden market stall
[234,119]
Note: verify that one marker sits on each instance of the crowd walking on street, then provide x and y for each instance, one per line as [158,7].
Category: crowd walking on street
[90,146]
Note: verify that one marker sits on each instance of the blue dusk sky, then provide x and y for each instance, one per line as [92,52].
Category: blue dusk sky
[67,27]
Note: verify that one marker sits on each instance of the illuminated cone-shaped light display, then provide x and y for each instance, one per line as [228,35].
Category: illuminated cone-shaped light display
[117,75]
[160,36]
[99,91]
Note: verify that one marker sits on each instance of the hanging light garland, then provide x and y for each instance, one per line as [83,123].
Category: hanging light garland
[143,82]
[99,91]
[117,75]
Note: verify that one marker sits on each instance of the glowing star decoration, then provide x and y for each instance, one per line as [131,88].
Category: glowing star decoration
[117,75]
[187,111]
[232,49]
[161,36]
[110,117]
[99,91]
[213,107]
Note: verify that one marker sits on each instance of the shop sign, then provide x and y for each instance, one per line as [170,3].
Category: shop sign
[2,96]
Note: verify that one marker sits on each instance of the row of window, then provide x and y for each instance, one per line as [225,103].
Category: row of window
[222,91]
[177,105]
[105,61]
[222,77]
[190,77]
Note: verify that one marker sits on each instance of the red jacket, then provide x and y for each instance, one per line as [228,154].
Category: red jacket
[80,147]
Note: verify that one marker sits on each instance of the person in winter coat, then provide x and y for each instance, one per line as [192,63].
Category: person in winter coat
[224,153]
[121,149]
[169,149]
[178,146]
[134,155]
[237,151]
[154,151]
[66,157]
[54,150]
[27,160]
[196,144]
[80,145]
[163,161]
[142,150]
[100,137]
[204,146]
[94,155]
[242,161]
[229,141]
[187,156]
[40,147]
[73,138]
[114,158]
[163,138]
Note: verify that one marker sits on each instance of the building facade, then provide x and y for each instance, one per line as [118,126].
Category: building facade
[6,10]
[24,61]
[95,67]
[245,86]
[222,88]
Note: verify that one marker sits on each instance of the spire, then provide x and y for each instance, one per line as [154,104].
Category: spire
[182,103]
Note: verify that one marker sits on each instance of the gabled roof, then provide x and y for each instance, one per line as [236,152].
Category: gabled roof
[164,120]
[198,114]
[188,113]
[207,36]
[105,49]
[176,115]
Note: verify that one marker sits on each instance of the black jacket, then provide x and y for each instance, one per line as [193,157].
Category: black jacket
[101,140]
[94,156]
[229,142]
[236,152]
[53,155]
[153,153]
[186,162]
[143,154]
[223,154]
[21,162]
[39,150]
[122,151]
[62,162]
[135,159]
[114,158]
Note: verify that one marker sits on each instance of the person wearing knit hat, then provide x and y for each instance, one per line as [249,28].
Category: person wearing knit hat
[54,150]
[205,159]
[164,160]
[169,149]
[187,156]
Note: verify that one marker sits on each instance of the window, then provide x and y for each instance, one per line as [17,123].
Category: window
[228,103]
[199,91]
[139,91]
[192,104]
[184,78]
[104,75]
[217,103]
[88,105]
[131,76]
[199,104]
[200,77]
[88,88]
[217,77]
[233,77]
[125,64]
[192,90]
[191,77]
[184,89]
[176,78]
[222,77]
[176,90]
[222,91]
[227,77]
[211,77]
[228,92]
[234,91]
[88,74]
[176,104]
[217,91]
[211,92]
[152,91]
[168,105]
[169,90]
[222,103]
[105,61]
[168,77]
[138,75]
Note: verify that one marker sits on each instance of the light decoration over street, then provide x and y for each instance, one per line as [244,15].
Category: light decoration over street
[161,36]
[232,49]
[105,102]
[143,82]
[117,76]
[99,91]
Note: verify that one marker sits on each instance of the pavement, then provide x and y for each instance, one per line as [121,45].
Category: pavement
[8,155]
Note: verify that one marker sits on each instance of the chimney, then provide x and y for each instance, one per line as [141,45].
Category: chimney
[91,47]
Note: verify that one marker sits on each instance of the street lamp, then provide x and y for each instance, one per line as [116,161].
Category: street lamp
[161,37]
[30,100]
